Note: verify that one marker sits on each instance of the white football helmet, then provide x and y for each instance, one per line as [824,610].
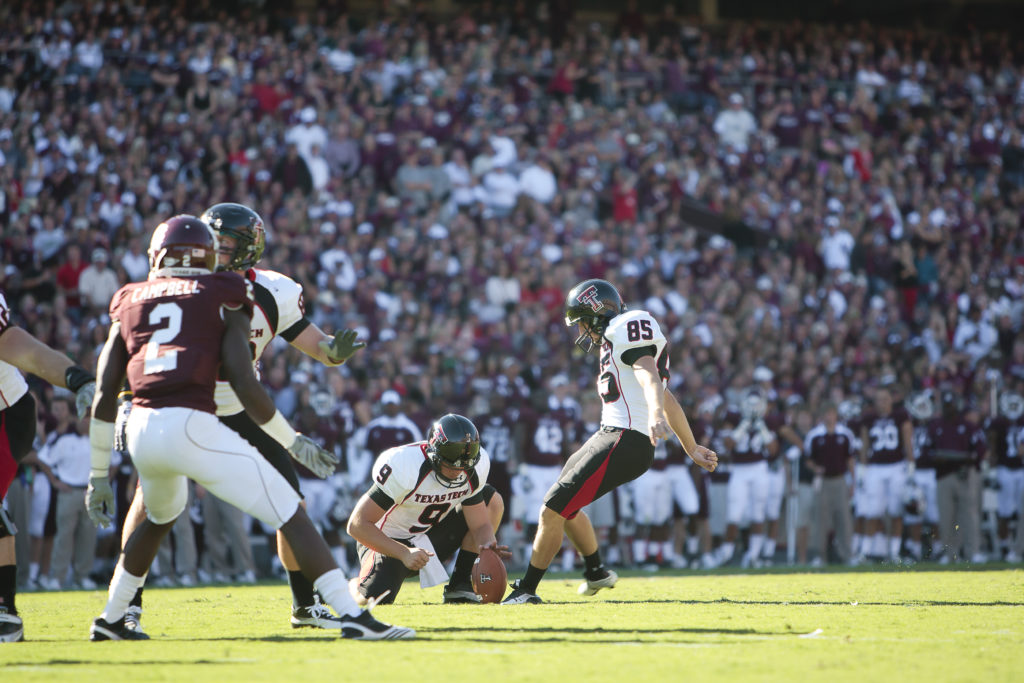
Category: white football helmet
[850,409]
[1011,405]
[753,406]
[921,405]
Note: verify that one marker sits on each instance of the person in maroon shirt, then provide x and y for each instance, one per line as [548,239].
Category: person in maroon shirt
[173,335]
[830,449]
[1006,432]
[887,442]
[957,446]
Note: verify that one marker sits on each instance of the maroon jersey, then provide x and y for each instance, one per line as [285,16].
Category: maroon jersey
[953,444]
[749,445]
[172,328]
[496,433]
[550,436]
[386,432]
[1008,441]
[884,436]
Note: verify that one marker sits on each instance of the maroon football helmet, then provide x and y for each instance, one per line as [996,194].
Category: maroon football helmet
[182,246]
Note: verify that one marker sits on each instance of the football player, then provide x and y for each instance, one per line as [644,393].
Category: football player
[428,499]
[638,410]
[173,336]
[1007,439]
[921,408]
[21,351]
[278,311]
[887,438]
[751,443]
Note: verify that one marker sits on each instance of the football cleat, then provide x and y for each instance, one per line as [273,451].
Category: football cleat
[133,618]
[316,615]
[104,630]
[364,627]
[12,630]
[591,587]
[521,597]
[461,594]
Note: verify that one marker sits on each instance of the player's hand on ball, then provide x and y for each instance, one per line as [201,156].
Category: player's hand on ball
[342,347]
[502,551]
[659,429]
[705,457]
[416,559]
[309,454]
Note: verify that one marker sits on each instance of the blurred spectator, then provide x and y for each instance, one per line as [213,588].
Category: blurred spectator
[98,283]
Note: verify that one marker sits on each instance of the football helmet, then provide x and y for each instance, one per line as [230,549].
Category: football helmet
[914,501]
[243,225]
[182,246]
[753,405]
[921,406]
[453,442]
[593,303]
[1011,405]
[849,409]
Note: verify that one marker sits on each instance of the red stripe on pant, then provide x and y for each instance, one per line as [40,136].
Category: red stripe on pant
[588,491]
[8,466]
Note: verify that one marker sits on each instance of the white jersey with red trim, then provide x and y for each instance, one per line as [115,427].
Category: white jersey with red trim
[12,383]
[418,500]
[278,311]
[624,402]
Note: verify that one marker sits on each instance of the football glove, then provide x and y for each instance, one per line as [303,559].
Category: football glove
[97,495]
[83,383]
[310,455]
[342,347]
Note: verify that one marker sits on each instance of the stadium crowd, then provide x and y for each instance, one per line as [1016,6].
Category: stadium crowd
[439,184]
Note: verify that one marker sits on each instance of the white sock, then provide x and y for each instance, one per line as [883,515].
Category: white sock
[33,571]
[122,589]
[668,552]
[756,544]
[856,543]
[333,588]
[879,545]
[894,546]
[639,551]
[769,548]
[652,549]
[914,548]
[613,556]
[692,545]
[568,559]
[727,550]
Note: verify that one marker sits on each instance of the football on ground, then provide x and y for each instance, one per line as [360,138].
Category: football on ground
[489,577]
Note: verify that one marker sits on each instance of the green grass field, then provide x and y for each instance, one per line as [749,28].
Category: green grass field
[838,626]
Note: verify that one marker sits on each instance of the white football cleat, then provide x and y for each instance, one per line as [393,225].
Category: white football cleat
[589,587]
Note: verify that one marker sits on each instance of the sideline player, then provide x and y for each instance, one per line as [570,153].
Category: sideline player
[638,410]
[21,351]
[428,500]
[887,438]
[173,335]
[278,312]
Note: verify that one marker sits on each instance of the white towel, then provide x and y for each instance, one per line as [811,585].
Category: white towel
[433,573]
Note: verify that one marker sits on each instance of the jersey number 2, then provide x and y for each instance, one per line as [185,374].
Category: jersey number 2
[155,361]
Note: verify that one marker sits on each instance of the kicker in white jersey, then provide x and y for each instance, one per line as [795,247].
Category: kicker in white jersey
[12,384]
[624,402]
[278,311]
[405,486]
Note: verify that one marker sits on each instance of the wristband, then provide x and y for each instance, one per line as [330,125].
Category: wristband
[101,443]
[279,429]
[76,377]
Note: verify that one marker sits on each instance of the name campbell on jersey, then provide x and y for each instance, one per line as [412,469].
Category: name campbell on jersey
[624,402]
[278,311]
[411,495]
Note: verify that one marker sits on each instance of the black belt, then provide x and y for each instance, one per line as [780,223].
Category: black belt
[606,428]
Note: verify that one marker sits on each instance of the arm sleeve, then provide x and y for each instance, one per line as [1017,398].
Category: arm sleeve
[635,330]
[631,356]
[391,478]
[291,308]
[381,498]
